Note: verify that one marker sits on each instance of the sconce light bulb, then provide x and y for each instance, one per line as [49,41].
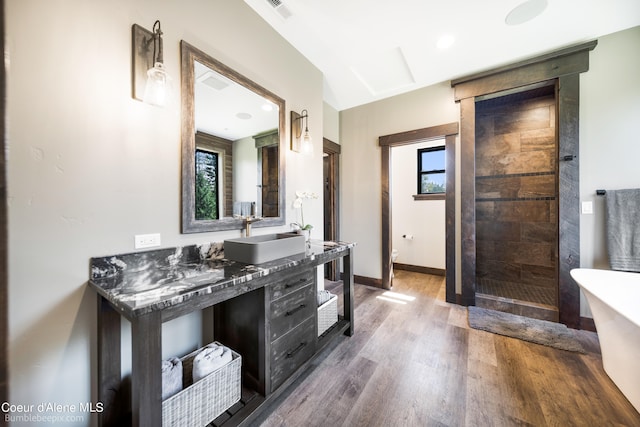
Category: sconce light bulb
[156,92]
[307,145]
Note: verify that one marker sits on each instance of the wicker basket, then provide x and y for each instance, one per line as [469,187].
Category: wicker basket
[200,403]
[327,314]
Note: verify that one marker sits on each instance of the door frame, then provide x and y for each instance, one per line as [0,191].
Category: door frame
[448,132]
[332,150]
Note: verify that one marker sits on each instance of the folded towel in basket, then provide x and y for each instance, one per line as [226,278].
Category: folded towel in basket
[323,296]
[209,359]
[171,377]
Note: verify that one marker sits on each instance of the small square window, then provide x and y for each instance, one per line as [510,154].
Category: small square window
[431,171]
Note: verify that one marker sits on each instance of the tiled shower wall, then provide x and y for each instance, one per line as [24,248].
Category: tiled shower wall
[516,198]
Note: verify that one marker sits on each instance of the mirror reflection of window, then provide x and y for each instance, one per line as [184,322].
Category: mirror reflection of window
[207,185]
[230,115]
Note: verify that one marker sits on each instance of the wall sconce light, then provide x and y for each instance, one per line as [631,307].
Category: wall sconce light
[151,83]
[297,145]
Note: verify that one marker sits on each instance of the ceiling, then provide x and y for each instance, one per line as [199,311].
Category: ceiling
[373,49]
[229,110]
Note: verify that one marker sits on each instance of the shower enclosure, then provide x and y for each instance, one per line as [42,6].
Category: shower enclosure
[519,185]
[516,199]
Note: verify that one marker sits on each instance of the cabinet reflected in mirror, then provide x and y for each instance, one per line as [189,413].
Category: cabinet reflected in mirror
[233,147]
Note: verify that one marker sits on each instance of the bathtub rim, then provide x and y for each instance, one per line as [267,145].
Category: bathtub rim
[584,278]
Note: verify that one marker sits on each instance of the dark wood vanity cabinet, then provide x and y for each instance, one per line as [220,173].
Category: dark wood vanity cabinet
[291,325]
[267,314]
[284,311]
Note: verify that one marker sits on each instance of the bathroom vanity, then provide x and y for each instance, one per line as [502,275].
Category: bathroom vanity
[265,312]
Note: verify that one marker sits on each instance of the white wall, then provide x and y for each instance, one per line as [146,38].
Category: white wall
[423,220]
[609,135]
[360,128]
[245,177]
[89,167]
[331,125]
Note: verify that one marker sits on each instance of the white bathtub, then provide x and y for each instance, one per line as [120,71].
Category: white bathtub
[614,299]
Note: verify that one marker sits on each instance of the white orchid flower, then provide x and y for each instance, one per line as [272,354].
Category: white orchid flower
[297,204]
[306,194]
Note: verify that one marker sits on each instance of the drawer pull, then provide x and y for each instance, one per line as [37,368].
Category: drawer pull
[300,307]
[295,350]
[291,285]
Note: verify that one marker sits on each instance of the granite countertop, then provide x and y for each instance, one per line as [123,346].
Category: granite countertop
[142,282]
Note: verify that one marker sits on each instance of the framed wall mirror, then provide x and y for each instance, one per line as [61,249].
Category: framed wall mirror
[233,147]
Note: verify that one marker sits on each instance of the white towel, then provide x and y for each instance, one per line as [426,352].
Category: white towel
[324,296]
[209,359]
[171,377]
[242,208]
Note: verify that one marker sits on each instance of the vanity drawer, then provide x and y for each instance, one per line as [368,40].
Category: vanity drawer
[290,283]
[292,350]
[289,311]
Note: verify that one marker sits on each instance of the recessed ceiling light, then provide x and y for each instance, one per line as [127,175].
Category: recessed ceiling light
[445,41]
[267,106]
[243,116]
[525,12]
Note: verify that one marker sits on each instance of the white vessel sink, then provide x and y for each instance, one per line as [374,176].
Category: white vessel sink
[264,248]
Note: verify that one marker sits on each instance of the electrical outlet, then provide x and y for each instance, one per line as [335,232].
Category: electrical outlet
[147,240]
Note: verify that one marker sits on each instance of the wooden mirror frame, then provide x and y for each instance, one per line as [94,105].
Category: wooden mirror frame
[189,54]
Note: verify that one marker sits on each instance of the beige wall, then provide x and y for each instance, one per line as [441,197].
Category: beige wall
[331,125]
[609,135]
[89,167]
[360,128]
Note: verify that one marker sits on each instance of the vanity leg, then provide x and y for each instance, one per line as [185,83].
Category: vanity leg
[347,282]
[108,360]
[146,373]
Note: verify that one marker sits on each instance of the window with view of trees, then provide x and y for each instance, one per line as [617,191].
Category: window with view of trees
[206,185]
[431,172]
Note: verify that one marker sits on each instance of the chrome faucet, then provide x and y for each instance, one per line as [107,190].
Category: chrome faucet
[248,220]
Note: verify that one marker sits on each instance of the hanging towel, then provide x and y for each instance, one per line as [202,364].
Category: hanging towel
[171,377]
[209,359]
[242,208]
[623,229]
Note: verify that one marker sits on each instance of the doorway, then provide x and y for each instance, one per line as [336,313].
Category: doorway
[270,179]
[448,132]
[331,180]
[418,215]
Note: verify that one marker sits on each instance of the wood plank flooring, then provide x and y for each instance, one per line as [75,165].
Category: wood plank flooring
[419,364]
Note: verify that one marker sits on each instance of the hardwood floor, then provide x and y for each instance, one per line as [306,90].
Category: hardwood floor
[419,364]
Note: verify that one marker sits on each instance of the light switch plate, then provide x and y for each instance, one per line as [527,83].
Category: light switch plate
[587,208]
[147,240]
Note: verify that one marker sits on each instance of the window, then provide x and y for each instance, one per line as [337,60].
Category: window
[206,185]
[431,176]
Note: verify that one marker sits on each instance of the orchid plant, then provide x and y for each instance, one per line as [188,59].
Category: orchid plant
[297,204]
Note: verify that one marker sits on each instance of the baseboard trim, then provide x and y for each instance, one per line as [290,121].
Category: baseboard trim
[587,324]
[368,281]
[419,269]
